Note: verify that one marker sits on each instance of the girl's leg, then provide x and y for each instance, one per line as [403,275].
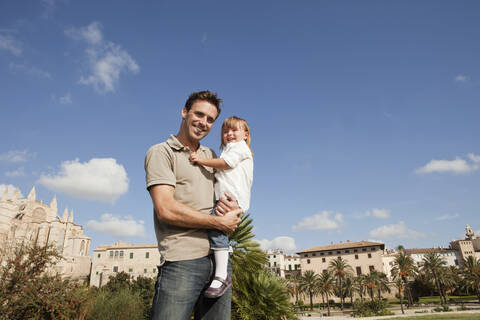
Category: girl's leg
[221,264]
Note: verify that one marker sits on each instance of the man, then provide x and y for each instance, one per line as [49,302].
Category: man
[183,197]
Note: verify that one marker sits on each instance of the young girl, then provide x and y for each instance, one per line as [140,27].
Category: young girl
[234,176]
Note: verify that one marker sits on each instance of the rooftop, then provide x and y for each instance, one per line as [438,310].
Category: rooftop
[345,245]
[427,250]
[125,245]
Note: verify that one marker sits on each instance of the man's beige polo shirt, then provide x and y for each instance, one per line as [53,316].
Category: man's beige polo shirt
[167,163]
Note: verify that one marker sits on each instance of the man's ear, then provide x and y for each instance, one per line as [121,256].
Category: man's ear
[184,113]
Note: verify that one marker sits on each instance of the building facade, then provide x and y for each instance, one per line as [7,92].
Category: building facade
[282,264]
[26,220]
[470,246]
[134,259]
[450,256]
[363,256]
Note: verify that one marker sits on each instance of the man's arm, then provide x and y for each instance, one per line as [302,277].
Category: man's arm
[217,163]
[176,213]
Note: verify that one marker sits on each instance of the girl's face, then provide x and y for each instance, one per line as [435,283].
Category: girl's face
[234,134]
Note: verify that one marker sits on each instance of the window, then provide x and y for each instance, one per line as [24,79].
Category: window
[359,271]
[121,253]
[274,264]
[369,255]
[274,256]
[330,253]
[338,252]
[111,253]
[323,260]
[347,251]
[131,255]
[356,256]
[373,249]
[364,249]
[97,273]
[296,267]
[355,250]
[322,253]
[290,267]
[372,268]
[130,270]
[116,253]
[269,264]
[314,254]
[308,260]
[456,262]
[145,270]
[147,255]
[305,255]
[98,255]
[115,268]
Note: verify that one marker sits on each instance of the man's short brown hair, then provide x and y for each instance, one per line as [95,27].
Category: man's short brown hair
[206,95]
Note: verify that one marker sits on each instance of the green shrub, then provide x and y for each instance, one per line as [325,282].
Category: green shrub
[370,308]
[28,291]
[123,304]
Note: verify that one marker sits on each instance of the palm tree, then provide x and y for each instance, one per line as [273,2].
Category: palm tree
[404,267]
[360,286]
[382,283]
[257,294]
[326,284]
[399,285]
[349,286]
[293,285]
[309,284]
[433,264]
[471,274]
[371,283]
[340,269]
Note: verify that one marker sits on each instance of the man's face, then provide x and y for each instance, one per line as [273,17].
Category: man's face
[199,120]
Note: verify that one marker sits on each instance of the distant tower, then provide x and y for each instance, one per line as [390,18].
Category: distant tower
[469,234]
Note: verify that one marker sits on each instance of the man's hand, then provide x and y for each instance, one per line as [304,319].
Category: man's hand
[226,204]
[230,221]
[194,157]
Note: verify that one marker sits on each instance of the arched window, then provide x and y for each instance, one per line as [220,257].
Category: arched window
[82,248]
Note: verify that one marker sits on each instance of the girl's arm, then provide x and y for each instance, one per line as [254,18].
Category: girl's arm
[217,163]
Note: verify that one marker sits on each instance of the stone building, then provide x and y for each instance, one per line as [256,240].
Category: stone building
[26,220]
[470,246]
[134,259]
[363,256]
[450,256]
[282,264]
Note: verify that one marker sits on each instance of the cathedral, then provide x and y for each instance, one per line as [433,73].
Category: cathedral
[26,220]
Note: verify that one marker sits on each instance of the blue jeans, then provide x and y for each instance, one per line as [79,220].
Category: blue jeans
[179,290]
[218,239]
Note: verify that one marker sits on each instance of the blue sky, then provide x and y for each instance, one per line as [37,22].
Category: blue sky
[364,115]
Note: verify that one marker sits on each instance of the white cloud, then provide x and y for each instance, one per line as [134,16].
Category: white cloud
[49,7]
[458,165]
[118,226]
[473,157]
[98,179]
[11,189]
[20,172]
[107,60]
[395,231]
[66,99]
[285,243]
[320,221]
[8,43]
[31,71]
[447,217]
[15,156]
[378,213]
[461,78]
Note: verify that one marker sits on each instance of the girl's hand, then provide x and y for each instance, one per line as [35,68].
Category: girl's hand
[194,157]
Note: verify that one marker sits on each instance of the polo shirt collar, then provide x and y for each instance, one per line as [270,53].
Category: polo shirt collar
[177,145]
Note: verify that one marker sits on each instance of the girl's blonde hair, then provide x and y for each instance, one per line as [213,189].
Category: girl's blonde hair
[233,123]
